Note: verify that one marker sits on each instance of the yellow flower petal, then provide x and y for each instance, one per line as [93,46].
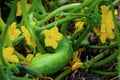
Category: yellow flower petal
[103,38]
[13,32]
[107,25]
[113,43]
[76,57]
[79,25]
[13,58]
[8,55]
[28,6]
[105,9]
[29,57]
[110,34]
[19,10]
[116,12]
[52,36]
[38,54]
[56,34]
[51,43]
[28,37]
[8,50]
[109,20]
[97,31]
[76,65]
[76,62]
[103,28]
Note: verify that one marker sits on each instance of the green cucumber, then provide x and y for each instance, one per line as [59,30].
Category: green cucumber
[48,64]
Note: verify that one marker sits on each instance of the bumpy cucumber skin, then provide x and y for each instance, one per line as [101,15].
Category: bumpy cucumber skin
[50,63]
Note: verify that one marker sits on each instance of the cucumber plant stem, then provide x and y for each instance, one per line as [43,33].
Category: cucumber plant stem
[69,6]
[39,46]
[106,60]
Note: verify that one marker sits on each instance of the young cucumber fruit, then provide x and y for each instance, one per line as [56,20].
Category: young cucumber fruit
[50,63]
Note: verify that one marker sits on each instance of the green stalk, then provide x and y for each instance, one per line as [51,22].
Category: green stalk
[97,2]
[29,70]
[69,6]
[2,72]
[116,53]
[77,8]
[39,16]
[105,73]
[84,34]
[88,63]
[103,47]
[18,39]
[116,2]
[39,46]
[64,25]
[9,43]
[41,7]
[20,78]
[81,38]
[63,74]
[3,38]
[20,56]
[2,24]
[117,33]
[106,60]
[64,29]
[33,6]
[72,14]
[39,29]
[86,3]
[74,35]
[4,34]
[99,56]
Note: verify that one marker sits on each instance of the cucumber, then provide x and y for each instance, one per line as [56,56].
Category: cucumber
[48,64]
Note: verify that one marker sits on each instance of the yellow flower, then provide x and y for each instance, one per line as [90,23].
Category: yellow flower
[76,62]
[79,25]
[13,32]
[97,31]
[28,37]
[19,11]
[116,12]
[9,56]
[29,57]
[76,65]
[107,25]
[52,36]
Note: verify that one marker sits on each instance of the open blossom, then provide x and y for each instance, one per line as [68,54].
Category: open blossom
[28,37]
[19,10]
[107,25]
[9,56]
[29,57]
[76,62]
[52,36]
[13,31]
[79,25]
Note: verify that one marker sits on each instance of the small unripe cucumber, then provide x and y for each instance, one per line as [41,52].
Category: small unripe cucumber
[50,63]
